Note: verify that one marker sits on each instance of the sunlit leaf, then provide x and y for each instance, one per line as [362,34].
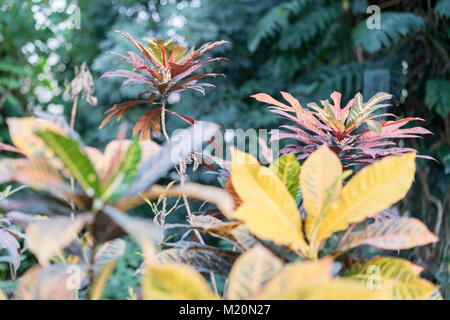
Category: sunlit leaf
[23,135]
[294,275]
[287,169]
[320,172]
[374,188]
[213,225]
[174,281]
[268,210]
[312,281]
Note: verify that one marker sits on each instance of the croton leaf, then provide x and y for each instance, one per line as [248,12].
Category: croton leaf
[75,160]
[202,260]
[174,281]
[97,287]
[105,260]
[150,120]
[312,280]
[119,110]
[9,241]
[400,275]
[47,237]
[268,210]
[123,178]
[213,225]
[250,273]
[320,172]
[374,188]
[391,234]
[45,283]
[287,169]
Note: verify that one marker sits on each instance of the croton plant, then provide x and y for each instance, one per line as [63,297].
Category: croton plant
[165,68]
[357,133]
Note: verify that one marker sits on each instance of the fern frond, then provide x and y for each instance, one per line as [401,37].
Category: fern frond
[394,25]
[309,26]
[443,8]
[273,21]
[437,96]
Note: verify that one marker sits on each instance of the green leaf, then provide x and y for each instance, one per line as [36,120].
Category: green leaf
[437,97]
[74,159]
[443,8]
[124,177]
[287,169]
[393,26]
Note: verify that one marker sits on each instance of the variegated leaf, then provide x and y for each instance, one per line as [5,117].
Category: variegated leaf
[391,234]
[174,281]
[287,170]
[321,186]
[250,273]
[202,260]
[401,276]
[55,282]
[48,236]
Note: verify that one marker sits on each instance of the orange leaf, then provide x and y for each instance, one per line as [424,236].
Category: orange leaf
[150,120]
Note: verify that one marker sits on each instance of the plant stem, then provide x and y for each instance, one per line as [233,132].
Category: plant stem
[72,181]
[163,119]
[92,258]
[74,112]
[181,171]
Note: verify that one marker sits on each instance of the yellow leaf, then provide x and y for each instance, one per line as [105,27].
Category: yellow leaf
[320,172]
[335,289]
[312,280]
[2,295]
[401,276]
[374,188]
[268,210]
[174,281]
[97,288]
[295,275]
[23,135]
[250,272]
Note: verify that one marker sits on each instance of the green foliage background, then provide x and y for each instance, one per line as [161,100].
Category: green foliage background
[308,48]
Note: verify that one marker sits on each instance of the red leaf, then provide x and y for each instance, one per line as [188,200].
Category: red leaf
[150,120]
[119,110]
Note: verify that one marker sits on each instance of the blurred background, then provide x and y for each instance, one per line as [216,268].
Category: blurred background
[308,48]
